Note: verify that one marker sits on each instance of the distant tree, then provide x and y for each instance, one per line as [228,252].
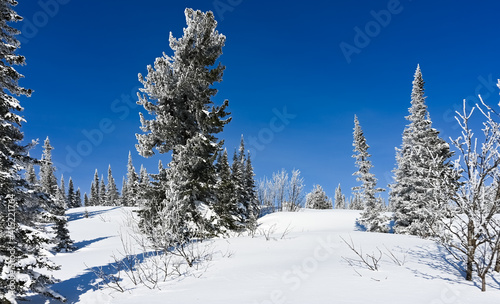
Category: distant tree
[94,190]
[86,201]
[340,202]
[226,207]
[71,198]
[356,203]
[317,199]
[78,198]
[416,194]
[48,179]
[295,187]
[102,192]
[63,241]
[112,195]
[143,187]
[129,195]
[371,217]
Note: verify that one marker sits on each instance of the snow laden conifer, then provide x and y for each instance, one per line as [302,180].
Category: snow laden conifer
[78,198]
[129,191]
[226,205]
[63,241]
[23,259]
[340,202]
[31,175]
[48,179]
[94,190]
[112,195]
[356,203]
[423,166]
[371,217]
[317,199]
[178,93]
[71,197]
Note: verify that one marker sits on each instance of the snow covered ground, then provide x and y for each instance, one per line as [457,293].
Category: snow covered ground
[303,260]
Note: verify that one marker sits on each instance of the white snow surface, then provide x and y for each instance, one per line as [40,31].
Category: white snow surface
[305,264]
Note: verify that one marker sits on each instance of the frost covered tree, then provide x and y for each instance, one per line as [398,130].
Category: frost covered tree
[178,93]
[71,197]
[102,191]
[422,165]
[371,217]
[356,203]
[472,228]
[340,202]
[23,259]
[112,195]
[94,190]
[63,241]
[226,207]
[129,193]
[86,200]
[48,179]
[295,192]
[78,198]
[317,199]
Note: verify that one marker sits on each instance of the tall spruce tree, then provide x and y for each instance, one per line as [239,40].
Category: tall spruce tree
[78,198]
[71,197]
[178,94]
[422,167]
[48,179]
[340,202]
[371,217]
[226,206]
[102,192]
[23,262]
[129,193]
[31,175]
[94,190]
[112,195]
[63,241]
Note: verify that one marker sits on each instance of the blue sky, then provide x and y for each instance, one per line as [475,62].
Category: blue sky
[296,74]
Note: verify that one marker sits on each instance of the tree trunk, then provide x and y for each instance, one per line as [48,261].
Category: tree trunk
[471,248]
[497,264]
[483,282]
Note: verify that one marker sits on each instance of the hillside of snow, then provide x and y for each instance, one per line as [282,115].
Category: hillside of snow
[292,258]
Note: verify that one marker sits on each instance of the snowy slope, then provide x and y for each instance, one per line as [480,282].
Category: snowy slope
[307,264]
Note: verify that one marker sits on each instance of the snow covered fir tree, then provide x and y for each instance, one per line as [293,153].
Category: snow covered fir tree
[371,217]
[178,95]
[23,240]
[424,181]
[317,199]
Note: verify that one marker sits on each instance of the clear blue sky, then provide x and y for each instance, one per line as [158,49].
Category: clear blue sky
[83,58]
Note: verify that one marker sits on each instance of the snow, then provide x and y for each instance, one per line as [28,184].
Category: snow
[304,261]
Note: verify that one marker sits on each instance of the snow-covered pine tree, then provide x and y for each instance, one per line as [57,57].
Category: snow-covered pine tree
[340,202]
[112,195]
[71,197]
[23,263]
[63,242]
[94,191]
[177,93]
[238,178]
[317,199]
[143,187]
[371,217]
[48,179]
[78,198]
[129,193]
[86,200]
[356,203]
[226,207]
[102,192]
[252,204]
[422,165]
[61,190]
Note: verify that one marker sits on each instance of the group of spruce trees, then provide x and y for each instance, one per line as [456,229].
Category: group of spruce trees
[424,181]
